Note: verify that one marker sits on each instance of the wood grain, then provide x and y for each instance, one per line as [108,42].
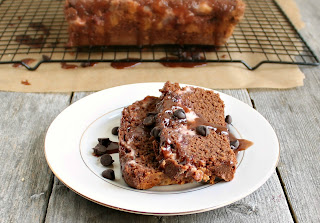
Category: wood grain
[65,205]
[26,180]
[295,116]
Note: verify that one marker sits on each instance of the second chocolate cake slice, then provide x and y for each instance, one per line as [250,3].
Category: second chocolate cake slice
[190,138]
[139,166]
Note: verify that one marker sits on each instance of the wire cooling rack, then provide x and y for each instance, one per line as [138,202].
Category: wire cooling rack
[35,31]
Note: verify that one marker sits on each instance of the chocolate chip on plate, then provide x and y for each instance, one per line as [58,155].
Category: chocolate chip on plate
[155,132]
[104,141]
[109,174]
[179,113]
[202,130]
[234,144]
[99,150]
[113,148]
[106,160]
[228,119]
[149,121]
[115,131]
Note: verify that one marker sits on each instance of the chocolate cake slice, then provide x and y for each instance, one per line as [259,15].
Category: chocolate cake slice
[190,138]
[139,166]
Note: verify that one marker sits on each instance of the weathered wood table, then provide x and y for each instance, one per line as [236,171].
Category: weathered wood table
[29,192]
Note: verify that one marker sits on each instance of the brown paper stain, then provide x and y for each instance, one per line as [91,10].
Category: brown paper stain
[103,76]
[52,78]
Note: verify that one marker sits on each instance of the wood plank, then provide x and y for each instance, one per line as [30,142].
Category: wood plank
[26,180]
[66,205]
[295,117]
[310,15]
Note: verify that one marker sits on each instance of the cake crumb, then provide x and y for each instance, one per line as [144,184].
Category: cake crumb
[25,82]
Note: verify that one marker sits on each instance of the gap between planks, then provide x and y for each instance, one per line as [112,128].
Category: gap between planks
[293,215]
[49,192]
[71,97]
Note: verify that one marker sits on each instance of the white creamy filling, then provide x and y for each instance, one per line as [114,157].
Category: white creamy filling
[215,129]
[185,131]
[191,116]
[186,89]
[166,121]
[176,108]
[132,153]
[168,149]
[132,162]
[79,21]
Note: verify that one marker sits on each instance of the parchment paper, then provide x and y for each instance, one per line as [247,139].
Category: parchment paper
[52,78]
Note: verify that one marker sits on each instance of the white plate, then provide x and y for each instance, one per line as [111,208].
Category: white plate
[73,134]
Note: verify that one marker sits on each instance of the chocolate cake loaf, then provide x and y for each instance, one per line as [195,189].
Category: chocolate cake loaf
[190,138]
[139,166]
[151,22]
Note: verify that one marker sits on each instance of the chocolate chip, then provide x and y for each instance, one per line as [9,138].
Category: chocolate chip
[180,114]
[234,144]
[104,141]
[152,113]
[149,121]
[99,150]
[155,132]
[115,131]
[202,130]
[106,160]
[109,174]
[105,146]
[113,148]
[228,119]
